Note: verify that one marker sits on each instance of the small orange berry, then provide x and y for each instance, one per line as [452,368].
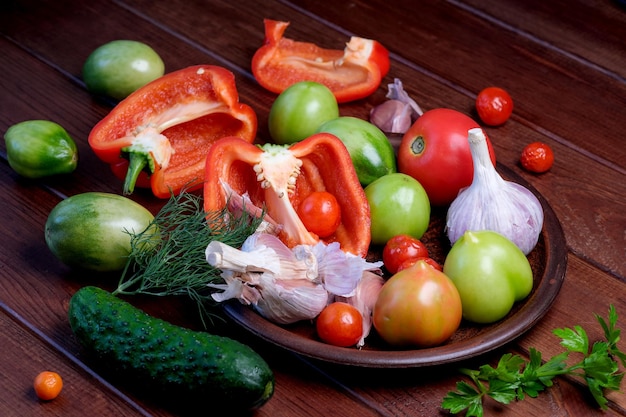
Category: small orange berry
[48,385]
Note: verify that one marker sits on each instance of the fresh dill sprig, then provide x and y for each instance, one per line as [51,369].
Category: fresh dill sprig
[168,258]
[513,378]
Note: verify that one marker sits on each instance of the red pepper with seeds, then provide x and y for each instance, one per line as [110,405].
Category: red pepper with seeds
[277,178]
[351,74]
[167,127]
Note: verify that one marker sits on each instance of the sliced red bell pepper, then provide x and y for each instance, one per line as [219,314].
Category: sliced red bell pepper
[168,126]
[278,177]
[351,74]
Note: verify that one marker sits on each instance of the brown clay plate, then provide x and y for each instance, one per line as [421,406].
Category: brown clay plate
[548,261]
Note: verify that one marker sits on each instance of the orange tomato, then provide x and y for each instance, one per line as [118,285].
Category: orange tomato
[418,306]
[340,324]
[410,262]
[48,385]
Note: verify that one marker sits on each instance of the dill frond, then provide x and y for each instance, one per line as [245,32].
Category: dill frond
[168,258]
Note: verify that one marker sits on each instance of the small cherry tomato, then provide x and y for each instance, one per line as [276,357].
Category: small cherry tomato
[494,106]
[537,157]
[340,324]
[401,248]
[410,262]
[48,385]
[320,212]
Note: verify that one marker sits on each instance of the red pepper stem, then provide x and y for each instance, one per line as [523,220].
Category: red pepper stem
[137,161]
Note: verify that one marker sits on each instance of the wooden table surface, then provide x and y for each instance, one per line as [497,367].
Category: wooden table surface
[563,62]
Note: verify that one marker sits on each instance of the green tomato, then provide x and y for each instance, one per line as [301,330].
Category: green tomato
[40,148]
[120,67]
[491,274]
[92,230]
[398,205]
[371,152]
[299,110]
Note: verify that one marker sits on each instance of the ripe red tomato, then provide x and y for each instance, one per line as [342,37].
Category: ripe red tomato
[401,248]
[340,324]
[320,212]
[494,106]
[435,151]
[418,306]
[537,157]
[410,262]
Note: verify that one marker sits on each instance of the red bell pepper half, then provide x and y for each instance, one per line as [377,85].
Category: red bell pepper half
[168,126]
[351,74]
[278,177]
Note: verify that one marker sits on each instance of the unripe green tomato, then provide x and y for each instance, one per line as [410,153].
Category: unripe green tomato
[120,67]
[371,152]
[93,230]
[40,148]
[491,274]
[299,110]
[399,205]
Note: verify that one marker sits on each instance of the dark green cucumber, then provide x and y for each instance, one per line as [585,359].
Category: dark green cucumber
[176,361]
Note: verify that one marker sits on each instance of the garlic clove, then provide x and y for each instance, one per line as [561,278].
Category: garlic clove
[397,114]
[289,303]
[392,116]
[339,271]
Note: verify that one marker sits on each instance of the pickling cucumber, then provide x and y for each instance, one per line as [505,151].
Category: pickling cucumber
[185,364]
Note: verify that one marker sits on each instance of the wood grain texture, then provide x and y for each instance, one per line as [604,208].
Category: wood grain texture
[564,63]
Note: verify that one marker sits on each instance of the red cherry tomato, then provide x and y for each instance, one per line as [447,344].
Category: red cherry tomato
[494,106]
[419,306]
[410,262]
[435,151]
[340,324]
[401,248]
[537,157]
[320,212]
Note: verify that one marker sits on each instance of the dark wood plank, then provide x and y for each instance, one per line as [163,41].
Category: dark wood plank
[569,90]
[587,30]
[25,354]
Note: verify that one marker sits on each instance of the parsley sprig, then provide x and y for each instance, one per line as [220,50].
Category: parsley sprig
[515,377]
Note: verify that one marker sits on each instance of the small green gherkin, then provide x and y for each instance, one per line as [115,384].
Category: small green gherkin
[174,361]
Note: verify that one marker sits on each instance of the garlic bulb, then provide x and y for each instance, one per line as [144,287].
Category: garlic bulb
[492,203]
[286,285]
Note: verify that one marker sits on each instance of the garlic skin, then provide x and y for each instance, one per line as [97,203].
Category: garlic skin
[392,116]
[492,203]
[364,300]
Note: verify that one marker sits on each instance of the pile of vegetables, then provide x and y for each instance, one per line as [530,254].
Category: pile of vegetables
[288,227]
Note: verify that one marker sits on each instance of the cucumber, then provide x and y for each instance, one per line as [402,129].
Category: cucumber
[173,361]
